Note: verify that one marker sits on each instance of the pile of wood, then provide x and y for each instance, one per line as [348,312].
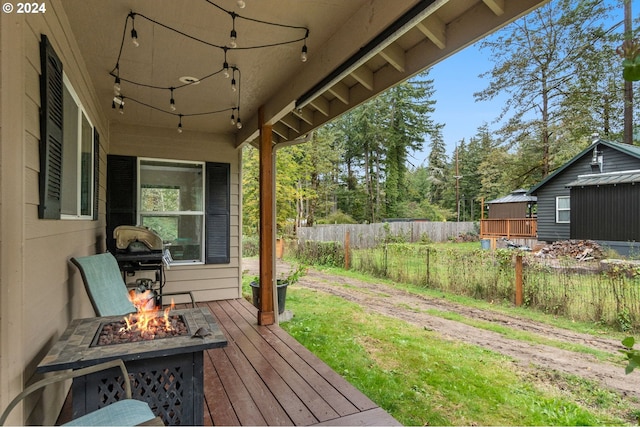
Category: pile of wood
[581,250]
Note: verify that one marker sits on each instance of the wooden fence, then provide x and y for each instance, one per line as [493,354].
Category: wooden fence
[369,235]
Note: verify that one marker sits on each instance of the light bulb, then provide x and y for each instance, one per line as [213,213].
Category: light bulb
[303,55]
[233,120]
[121,108]
[179,127]
[241,4]
[232,39]
[225,68]
[134,37]
[233,84]
[172,105]
[239,124]
[116,86]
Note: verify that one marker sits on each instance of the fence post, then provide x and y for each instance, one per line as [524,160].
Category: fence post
[518,280]
[385,260]
[347,244]
[428,269]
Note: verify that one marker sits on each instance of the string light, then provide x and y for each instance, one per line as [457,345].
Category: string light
[116,84]
[232,38]
[172,102]
[134,33]
[227,70]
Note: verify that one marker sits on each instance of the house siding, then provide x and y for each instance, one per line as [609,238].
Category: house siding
[36,304]
[508,210]
[608,212]
[40,291]
[209,281]
[548,230]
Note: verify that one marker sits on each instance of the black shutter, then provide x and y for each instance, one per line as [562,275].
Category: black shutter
[96,172]
[51,119]
[218,213]
[122,183]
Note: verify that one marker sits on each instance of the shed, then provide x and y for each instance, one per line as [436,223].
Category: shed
[518,204]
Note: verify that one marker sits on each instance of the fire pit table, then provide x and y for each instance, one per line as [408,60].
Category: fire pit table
[167,372]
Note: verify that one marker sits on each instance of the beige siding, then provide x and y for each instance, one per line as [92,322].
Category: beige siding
[40,291]
[212,281]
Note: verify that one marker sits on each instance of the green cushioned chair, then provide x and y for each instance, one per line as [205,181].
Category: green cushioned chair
[125,412]
[106,288]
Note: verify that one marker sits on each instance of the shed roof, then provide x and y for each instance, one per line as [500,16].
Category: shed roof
[516,196]
[609,178]
[631,150]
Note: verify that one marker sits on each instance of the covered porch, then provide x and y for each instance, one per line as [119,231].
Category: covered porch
[129,86]
[265,377]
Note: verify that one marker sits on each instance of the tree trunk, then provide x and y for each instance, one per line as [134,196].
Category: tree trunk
[628,85]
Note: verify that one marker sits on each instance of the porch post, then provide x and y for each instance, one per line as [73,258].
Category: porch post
[266,314]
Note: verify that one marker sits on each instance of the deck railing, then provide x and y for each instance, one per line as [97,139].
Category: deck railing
[508,227]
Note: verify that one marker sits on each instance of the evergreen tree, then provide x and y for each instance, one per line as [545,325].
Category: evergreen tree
[537,59]
[437,167]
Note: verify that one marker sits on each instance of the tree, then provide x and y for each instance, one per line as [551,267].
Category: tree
[437,167]
[537,60]
[322,153]
[409,105]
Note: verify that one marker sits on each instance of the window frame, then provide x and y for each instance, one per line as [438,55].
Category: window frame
[559,209]
[202,213]
[91,187]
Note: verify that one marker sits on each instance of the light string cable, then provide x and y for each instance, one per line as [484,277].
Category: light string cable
[115,72]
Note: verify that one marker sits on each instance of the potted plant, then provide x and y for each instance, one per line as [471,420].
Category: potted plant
[281,283]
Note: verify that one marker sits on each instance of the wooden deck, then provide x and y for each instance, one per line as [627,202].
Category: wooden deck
[265,377]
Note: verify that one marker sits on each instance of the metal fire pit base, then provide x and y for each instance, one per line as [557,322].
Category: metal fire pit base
[166,373]
[171,385]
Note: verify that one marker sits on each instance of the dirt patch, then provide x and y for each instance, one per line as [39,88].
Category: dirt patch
[415,309]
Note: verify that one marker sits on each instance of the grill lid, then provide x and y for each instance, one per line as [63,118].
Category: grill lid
[136,239]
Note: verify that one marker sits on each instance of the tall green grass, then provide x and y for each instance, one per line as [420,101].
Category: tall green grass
[610,297]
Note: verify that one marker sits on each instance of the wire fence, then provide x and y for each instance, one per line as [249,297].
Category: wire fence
[608,295]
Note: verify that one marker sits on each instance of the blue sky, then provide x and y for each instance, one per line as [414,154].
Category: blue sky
[455,81]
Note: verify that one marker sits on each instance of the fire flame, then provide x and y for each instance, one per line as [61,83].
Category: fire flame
[147,319]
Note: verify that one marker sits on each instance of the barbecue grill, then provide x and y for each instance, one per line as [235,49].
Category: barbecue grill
[138,249]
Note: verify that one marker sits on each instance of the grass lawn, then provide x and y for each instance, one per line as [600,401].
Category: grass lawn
[422,379]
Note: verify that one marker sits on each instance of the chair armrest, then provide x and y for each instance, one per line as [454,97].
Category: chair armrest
[63,376]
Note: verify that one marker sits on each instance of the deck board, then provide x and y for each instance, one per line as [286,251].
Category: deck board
[265,377]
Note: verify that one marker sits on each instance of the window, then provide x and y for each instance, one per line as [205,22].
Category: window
[169,204]
[172,204]
[77,195]
[563,209]
[68,147]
